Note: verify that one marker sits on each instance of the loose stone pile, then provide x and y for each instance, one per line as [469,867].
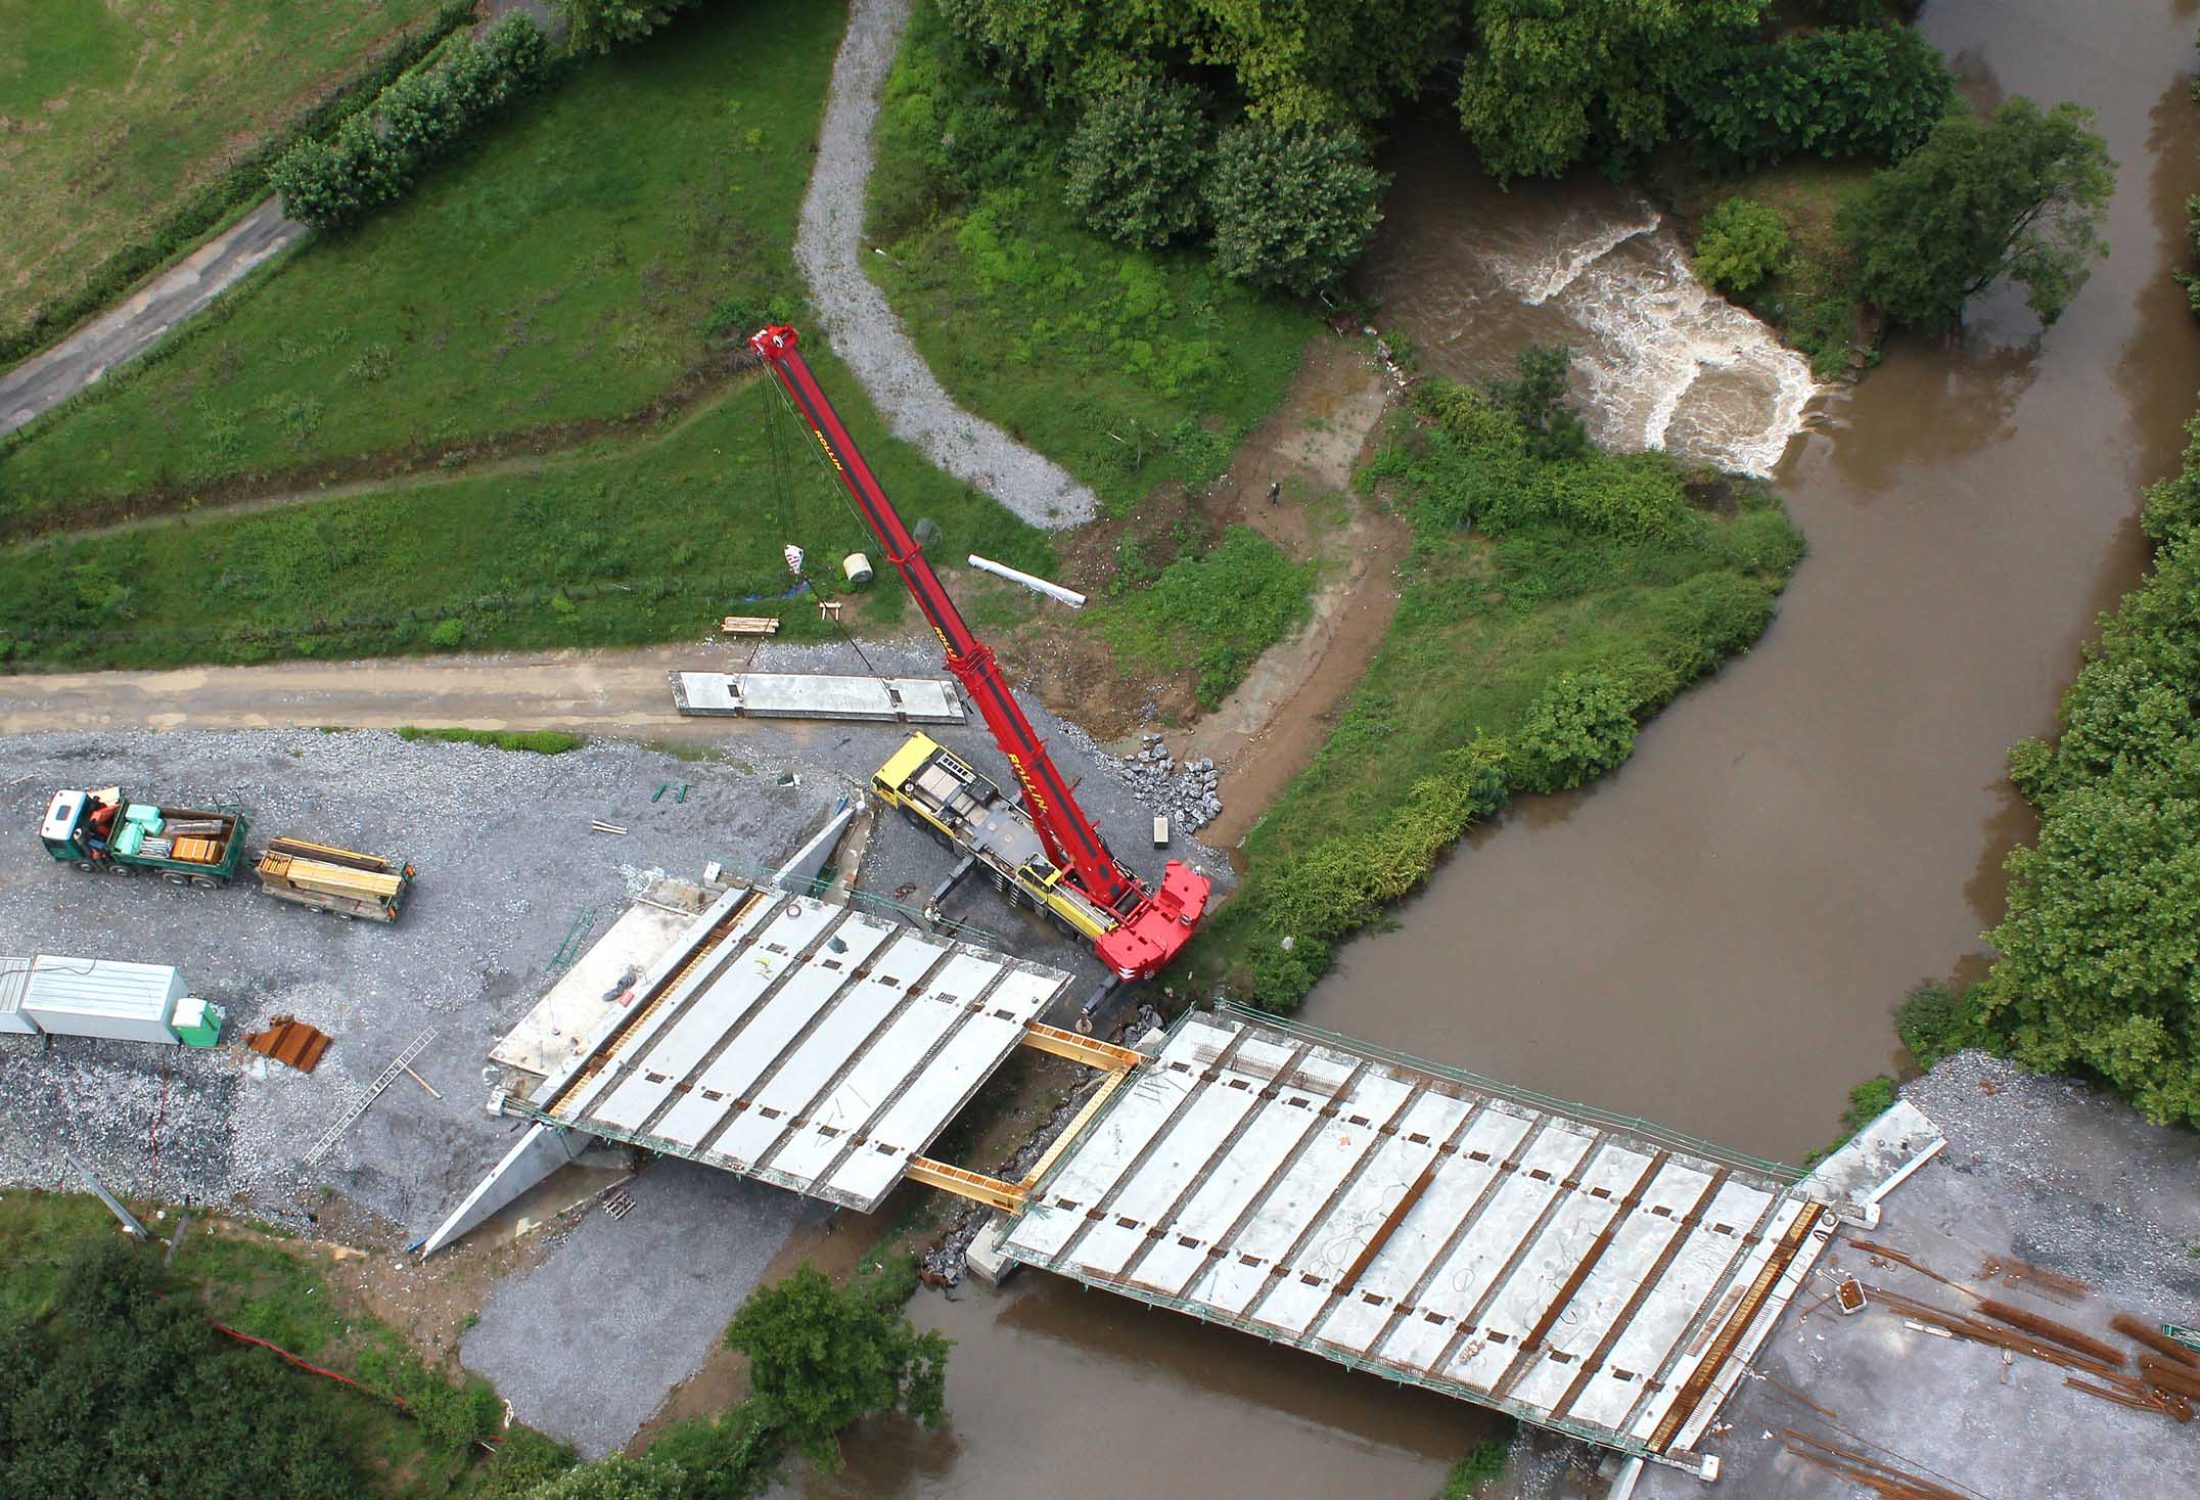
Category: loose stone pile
[1184,794]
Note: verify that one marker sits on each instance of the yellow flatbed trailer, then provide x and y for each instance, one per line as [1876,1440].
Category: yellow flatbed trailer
[947,797]
[342,881]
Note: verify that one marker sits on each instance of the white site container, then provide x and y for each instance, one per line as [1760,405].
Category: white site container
[15,978]
[104,998]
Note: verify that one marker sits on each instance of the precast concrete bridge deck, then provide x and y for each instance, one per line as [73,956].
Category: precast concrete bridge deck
[1577,1270]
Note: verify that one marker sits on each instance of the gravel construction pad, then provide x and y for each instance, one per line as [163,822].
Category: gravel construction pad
[586,1346]
[864,329]
[589,1342]
[508,867]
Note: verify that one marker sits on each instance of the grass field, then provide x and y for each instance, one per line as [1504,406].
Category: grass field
[578,261]
[260,1285]
[1131,370]
[622,544]
[113,111]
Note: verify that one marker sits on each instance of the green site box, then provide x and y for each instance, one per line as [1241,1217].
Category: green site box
[198,1024]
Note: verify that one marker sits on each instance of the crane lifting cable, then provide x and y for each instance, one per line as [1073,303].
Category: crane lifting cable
[1046,854]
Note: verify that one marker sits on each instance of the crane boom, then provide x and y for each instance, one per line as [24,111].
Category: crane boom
[1150,927]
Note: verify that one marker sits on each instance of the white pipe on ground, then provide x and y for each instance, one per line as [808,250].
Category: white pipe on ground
[1069,597]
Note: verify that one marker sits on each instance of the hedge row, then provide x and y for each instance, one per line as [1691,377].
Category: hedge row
[243,183]
[376,154]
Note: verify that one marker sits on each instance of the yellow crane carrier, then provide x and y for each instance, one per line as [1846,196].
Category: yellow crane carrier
[342,881]
[947,797]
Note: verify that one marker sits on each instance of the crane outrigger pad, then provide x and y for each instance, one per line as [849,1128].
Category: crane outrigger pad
[801,695]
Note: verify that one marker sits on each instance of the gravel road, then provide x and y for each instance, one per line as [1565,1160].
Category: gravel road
[865,331]
[586,1346]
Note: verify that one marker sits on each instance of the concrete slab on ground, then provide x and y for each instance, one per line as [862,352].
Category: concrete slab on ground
[782,695]
[586,1345]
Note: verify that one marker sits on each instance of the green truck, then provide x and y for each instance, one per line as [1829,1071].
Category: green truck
[106,831]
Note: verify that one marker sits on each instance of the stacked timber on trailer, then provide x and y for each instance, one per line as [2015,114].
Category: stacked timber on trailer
[343,881]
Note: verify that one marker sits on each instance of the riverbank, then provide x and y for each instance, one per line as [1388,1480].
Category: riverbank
[1551,603]
[1717,935]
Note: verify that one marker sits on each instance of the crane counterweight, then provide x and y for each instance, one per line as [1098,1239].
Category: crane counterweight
[1072,876]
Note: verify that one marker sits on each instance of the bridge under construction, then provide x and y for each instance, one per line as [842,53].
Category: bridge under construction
[1588,1273]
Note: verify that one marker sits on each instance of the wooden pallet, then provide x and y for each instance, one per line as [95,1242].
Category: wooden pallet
[749,625]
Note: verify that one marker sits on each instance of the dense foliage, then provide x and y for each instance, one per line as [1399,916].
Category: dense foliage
[1741,246]
[1290,61]
[2017,194]
[1136,160]
[2100,946]
[821,1356]
[1547,86]
[1292,91]
[600,25]
[1870,92]
[374,155]
[1292,206]
[123,1390]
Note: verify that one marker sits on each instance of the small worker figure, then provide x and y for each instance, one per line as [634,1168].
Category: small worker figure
[1275,493]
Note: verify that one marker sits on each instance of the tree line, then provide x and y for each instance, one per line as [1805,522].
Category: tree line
[1248,129]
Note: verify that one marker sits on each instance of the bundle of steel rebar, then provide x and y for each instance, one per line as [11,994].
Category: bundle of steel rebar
[1876,1475]
[2054,1332]
[2161,1343]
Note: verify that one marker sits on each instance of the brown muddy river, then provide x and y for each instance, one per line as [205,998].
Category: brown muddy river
[1715,936]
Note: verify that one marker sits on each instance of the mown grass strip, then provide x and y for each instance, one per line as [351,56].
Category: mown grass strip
[569,266]
[144,133]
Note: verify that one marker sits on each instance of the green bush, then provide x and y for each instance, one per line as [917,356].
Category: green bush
[1337,886]
[820,1356]
[1870,92]
[374,155]
[1579,727]
[2100,944]
[1741,246]
[123,1389]
[1135,162]
[1483,1465]
[1867,1102]
[1935,1021]
[524,1461]
[1539,402]
[1291,207]
[2019,195]
[617,1478]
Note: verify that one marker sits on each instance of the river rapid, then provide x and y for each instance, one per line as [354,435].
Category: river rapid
[1714,936]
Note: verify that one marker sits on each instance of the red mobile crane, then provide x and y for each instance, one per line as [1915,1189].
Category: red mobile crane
[1069,873]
